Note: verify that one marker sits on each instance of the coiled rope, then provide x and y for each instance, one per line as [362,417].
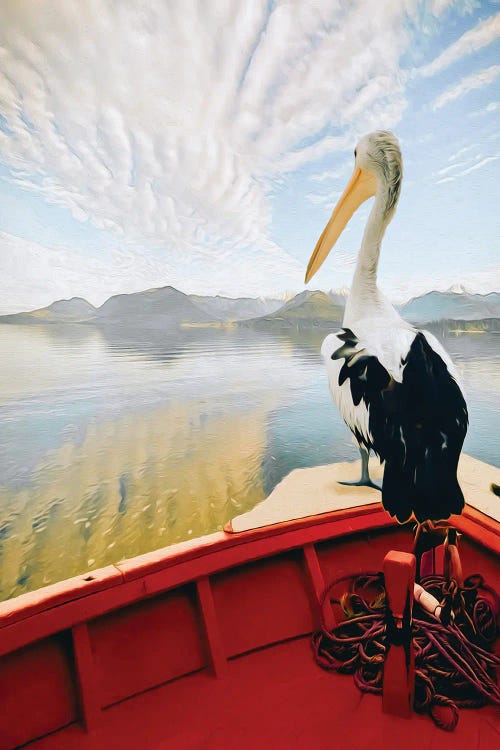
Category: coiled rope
[454,660]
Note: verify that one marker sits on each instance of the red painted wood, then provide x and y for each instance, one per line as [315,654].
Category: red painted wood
[482,528]
[211,561]
[64,617]
[439,559]
[363,551]
[258,548]
[27,605]
[270,538]
[276,538]
[211,627]
[147,644]
[89,689]
[399,575]
[428,563]
[317,587]
[273,699]
[37,691]
[145,626]
[262,602]
[452,564]
[399,664]
[184,562]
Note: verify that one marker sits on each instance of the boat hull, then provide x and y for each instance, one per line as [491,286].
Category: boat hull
[171,649]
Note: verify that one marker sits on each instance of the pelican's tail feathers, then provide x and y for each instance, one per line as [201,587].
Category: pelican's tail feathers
[429,489]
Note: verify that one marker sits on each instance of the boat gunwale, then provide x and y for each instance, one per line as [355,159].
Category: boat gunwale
[51,609]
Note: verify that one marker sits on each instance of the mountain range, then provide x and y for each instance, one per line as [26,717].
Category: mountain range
[152,308]
[435,306]
[167,308]
[305,310]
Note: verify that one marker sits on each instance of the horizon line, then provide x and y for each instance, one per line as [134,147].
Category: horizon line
[285,297]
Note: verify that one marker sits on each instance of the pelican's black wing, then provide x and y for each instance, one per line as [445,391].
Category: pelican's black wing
[416,426]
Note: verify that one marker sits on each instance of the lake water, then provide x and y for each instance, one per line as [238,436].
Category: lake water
[114,445]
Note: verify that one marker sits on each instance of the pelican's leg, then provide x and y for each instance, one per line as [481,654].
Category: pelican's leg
[365,480]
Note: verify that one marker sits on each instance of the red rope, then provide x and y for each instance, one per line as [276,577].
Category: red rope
[454,664]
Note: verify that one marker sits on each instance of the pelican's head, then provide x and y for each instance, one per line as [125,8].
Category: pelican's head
[378,167]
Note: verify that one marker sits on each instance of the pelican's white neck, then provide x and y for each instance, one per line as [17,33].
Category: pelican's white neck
[364,290]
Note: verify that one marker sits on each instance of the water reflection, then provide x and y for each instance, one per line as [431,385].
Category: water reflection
[136,483]
[114,443]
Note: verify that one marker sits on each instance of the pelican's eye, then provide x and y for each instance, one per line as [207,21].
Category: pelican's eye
[355,152]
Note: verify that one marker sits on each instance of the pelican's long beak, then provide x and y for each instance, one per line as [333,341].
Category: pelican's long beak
[362,185]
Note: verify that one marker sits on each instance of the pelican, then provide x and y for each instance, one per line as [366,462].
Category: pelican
[395,386]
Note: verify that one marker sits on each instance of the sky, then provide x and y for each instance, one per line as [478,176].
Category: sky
[203,145]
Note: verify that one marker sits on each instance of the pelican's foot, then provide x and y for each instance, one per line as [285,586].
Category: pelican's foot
[364,482]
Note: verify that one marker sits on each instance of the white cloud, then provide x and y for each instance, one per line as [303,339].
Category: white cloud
[438,7]
[475,282]
[38,275]
[466,84]
[451,167]
[458,159]
[457,154]
[479,164]
[323,199]
[334,174]
[491,107]
[473,40]
[170,123]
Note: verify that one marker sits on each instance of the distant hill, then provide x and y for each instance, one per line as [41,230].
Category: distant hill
[306,309]
[450,305]
[165,307]
[310,306]
[74,310]
[339,297]
[242,308]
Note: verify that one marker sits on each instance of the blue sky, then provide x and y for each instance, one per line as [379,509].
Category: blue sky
[204,145]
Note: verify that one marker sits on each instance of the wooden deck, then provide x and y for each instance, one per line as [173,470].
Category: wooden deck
[273,699]
[316,490]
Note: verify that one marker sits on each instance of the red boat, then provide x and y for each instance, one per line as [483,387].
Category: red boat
[207,644]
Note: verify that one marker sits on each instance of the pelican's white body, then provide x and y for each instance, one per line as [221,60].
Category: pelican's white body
[390,344]
[394,386]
